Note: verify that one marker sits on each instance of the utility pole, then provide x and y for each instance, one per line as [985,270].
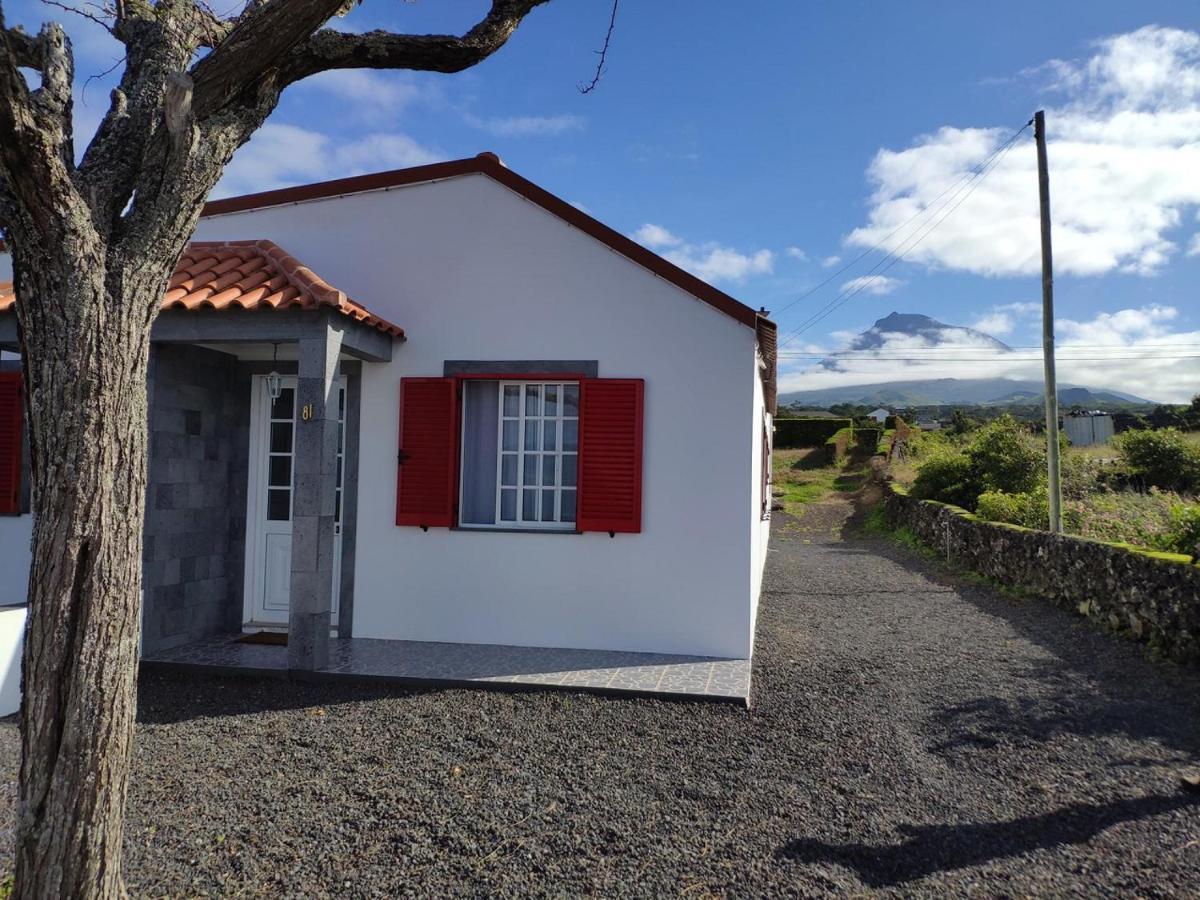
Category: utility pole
[1052,461]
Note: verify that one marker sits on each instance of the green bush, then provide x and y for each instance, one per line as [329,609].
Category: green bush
[1161,458]
[948,478]
[1183,534]
[1000,456]
[794,433]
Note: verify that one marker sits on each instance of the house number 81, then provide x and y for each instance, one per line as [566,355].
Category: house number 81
[306,411]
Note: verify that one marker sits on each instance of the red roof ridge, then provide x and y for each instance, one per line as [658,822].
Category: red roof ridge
[489,164]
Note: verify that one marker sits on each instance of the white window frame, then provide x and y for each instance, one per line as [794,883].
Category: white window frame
[520,523]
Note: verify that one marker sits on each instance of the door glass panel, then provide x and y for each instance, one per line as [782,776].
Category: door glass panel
[551,435]
[568,507]
[281,437]
[510,434]
[284,406]
[551,400]
[548,462]
[529,505]
[530,470]
[279,505]
[280,471]
[570,463]
[570,439]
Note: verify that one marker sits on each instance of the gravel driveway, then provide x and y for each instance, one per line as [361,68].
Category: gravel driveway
[910,734]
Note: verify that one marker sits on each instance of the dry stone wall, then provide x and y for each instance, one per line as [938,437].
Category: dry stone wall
[1150,597]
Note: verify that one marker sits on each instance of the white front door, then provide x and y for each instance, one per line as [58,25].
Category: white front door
[269,503]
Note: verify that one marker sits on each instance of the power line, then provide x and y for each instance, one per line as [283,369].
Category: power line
[970,173]
[1016,359]
[897,255]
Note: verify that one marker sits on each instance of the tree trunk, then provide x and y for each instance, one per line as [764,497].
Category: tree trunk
[85,342]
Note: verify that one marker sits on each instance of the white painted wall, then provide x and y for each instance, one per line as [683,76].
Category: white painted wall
[760,528]
[473,271]
[12,636]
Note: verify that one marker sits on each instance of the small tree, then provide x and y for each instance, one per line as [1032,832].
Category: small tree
[93,245]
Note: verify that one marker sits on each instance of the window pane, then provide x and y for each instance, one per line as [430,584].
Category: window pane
[281,437]
[548,462]
[339,472]
[568,507]
[510,434]
[279,505]
[552,400]
[341,435]
[533,406]
[508,469]
[341,403]
[531,434]
[512,399]
[551,433]
[570,399]
[570,440]
[531,475]
[280,471]
[547,506]
[508,506]
[529,505]
[570,463]
[284,406]
[337,505]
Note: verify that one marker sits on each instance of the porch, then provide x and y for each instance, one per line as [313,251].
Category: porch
[429,664]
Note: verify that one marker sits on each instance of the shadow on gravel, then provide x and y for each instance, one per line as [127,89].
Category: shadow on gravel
[988,721]
[929,849]
[167,698]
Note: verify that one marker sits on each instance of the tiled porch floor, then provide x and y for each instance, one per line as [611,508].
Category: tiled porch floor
[483,665]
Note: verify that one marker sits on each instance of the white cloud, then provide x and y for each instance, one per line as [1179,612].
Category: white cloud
[710,260]
[374,94]
[281,155]
[872,284]
[656,237]
[525,126]
[796,253]
[994,323]
[830,261]
[1194,246]
[1131,350]
[1124,149]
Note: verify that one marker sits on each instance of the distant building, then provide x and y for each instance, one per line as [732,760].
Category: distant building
[879,415]
[1088,428]
[930,425]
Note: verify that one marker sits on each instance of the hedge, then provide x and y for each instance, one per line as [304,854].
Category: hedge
[838,446]
[794,433]
[868,439]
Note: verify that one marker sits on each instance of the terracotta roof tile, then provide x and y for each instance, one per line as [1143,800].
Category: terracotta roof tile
[247,275]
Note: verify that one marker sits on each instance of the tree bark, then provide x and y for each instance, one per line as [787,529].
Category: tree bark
[93,246]
[86,355]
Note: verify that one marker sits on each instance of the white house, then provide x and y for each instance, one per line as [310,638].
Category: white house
[541,434]
[879,415]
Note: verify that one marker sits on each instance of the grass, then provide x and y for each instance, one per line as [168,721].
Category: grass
[802,480]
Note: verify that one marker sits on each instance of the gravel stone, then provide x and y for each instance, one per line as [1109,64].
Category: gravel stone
[912,733]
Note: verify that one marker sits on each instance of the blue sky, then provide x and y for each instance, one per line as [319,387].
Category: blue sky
[761,145]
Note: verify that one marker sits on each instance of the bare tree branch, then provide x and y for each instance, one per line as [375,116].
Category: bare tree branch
[329,49]
[603,51]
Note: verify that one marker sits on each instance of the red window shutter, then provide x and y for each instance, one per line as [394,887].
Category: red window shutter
[10,442]
[610,455]
[428,459]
